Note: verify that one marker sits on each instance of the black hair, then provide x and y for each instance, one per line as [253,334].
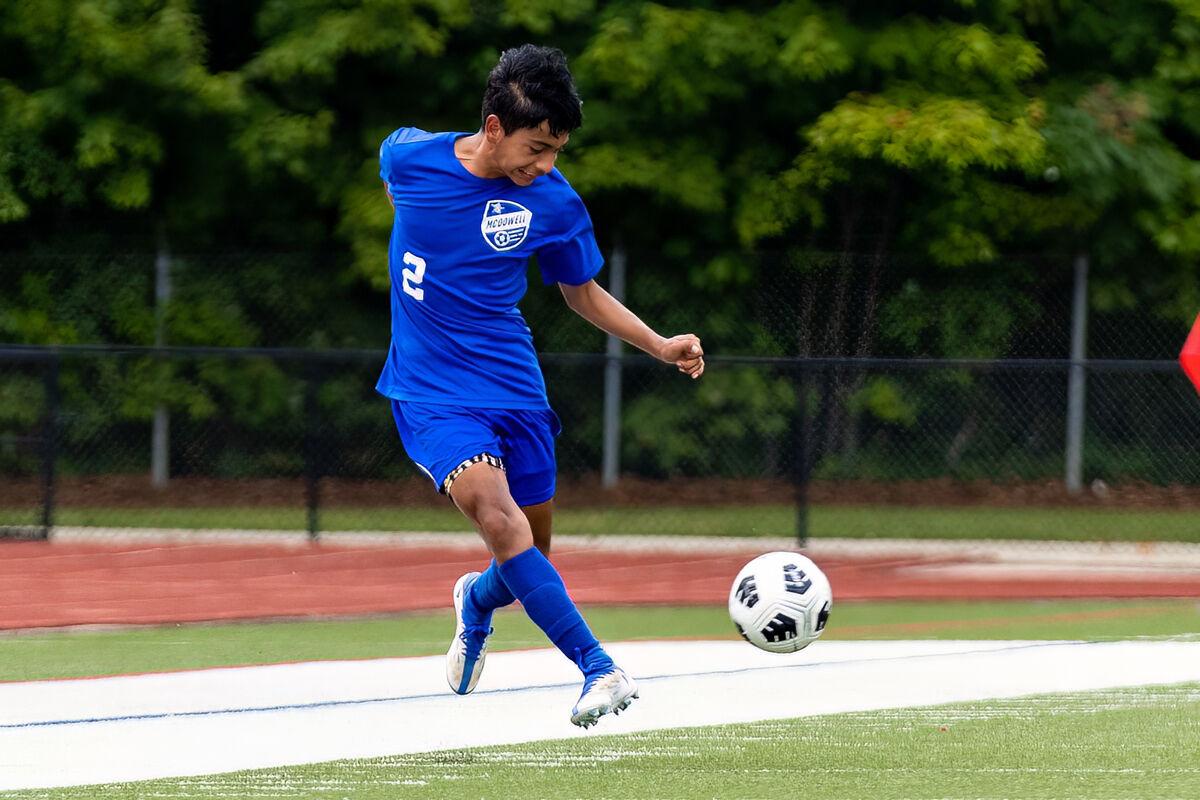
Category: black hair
[530,84]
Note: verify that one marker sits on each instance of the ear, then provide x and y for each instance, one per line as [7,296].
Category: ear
[493,131]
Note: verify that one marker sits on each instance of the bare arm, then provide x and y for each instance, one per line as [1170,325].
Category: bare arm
[600,308]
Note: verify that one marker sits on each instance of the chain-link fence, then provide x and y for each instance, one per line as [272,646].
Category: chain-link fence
[845,396]
[781,446]
[28,399]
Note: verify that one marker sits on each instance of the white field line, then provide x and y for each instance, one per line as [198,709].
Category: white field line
[1103,558]
[1009,570]
[76,732]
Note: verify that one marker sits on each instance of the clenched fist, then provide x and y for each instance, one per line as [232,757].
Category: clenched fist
[685,352]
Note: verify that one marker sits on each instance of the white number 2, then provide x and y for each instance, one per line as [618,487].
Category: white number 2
[413,277]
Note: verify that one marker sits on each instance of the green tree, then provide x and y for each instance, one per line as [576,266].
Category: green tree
[109,105]
[801,177]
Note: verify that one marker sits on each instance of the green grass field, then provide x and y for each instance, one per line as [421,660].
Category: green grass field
[1134,743]
[920,522]
[62,654]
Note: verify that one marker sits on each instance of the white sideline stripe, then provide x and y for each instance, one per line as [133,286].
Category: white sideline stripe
[1008,570]
[209,721]
[1122,555]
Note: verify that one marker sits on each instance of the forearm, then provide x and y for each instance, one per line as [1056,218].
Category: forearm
[611,316]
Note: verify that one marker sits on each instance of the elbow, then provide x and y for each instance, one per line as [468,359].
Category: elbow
[575,299]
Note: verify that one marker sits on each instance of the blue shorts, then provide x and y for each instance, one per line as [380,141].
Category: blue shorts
[444,440]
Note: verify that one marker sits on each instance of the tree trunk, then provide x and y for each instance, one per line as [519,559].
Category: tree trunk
[852,208]
[866,333]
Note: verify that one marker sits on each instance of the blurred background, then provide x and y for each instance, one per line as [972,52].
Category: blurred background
[942,260]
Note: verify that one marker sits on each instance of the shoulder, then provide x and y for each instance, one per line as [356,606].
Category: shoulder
[558,182]
[406,143]
[410,136]
[556,188]
[561,206]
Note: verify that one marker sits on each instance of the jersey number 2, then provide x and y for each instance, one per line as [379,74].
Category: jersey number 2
[413,277]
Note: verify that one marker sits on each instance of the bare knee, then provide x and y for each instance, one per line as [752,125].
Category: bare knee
[505,531]
[493,522]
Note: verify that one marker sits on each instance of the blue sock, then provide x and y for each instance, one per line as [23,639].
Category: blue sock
[488,593]
[536,583]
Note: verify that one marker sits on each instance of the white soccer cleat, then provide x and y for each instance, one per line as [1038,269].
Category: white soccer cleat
[468,648]
[611,692]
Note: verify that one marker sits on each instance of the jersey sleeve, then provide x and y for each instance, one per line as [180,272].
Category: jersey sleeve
[574,257]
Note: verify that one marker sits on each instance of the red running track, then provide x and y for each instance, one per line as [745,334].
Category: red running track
[49,584]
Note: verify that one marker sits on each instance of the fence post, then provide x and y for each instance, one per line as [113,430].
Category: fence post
[50,444]
[801,447]
[1077,384]
[807,441]
[312,444]
[160,437]
[611,463]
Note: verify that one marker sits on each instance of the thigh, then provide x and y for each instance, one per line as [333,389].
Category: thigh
[527,441]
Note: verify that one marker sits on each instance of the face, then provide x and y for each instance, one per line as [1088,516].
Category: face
[525,154]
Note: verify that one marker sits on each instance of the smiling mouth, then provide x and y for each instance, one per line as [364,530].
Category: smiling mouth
[525,174]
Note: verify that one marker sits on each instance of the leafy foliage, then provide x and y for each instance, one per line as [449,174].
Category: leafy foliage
[930,148]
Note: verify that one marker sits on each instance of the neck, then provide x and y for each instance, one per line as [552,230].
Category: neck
[474,153]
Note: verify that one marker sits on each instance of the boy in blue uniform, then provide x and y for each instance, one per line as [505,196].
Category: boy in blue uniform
[462,374]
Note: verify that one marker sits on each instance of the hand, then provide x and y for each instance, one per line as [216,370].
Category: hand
[685,352]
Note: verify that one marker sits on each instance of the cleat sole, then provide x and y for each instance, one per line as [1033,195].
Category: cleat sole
[592,717]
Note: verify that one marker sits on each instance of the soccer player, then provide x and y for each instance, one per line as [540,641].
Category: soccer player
[462,375]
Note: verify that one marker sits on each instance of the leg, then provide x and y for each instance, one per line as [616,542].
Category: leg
[481,493]
[448,444]
[539,517]
[483,496]
[442,441]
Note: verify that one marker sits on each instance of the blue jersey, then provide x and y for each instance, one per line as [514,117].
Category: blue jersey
[458,256]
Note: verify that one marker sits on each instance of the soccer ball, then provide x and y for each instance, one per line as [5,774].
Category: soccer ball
[780,602]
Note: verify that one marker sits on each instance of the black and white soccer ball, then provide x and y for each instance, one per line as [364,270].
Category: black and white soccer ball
[780,602]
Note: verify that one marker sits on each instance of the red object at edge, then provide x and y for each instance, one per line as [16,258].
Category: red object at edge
[1189,356]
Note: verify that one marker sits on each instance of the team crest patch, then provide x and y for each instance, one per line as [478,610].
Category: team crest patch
[505,224]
